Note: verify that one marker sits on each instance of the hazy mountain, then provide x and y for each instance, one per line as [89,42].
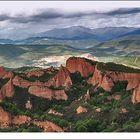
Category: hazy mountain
[79,32]
[6,41]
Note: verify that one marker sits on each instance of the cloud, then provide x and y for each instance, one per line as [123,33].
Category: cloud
[123,11]
[25,25]
[53,14]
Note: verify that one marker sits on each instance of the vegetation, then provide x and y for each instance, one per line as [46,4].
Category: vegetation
[110,66]
[105,113]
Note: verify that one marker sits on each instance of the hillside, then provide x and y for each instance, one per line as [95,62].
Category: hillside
[83,96]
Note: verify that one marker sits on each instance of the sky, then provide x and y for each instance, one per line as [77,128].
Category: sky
[19,20]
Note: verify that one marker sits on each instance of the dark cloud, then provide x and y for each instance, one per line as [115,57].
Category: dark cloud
[51,14]
[124,11]
[4,17]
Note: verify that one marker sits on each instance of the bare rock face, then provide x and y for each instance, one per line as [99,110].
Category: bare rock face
[18,81]
[98,110]
[5,118]
[107,79]
[80,110]
[48,126]
[1,96]
[54,112]
[45,92]
[9,74]
[136,95]
[36,73]
[20,119]
[102,80]
[77,64]
[123,110]
[8,89]
[62,78]
[2,72]
[87,96]
[28,105]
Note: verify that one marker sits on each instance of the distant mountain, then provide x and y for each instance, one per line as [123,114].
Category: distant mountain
[110,33]
[74,33]
[6,41]
[128,46]
[79,32]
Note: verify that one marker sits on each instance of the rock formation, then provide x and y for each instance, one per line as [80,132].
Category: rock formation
[80,110]
[136,95]
[2,72]
[5,118]
[7,90]
[45,92]
[54,112]
[62,78]
[36,73]
[77,64]
[48,126]
[20,119]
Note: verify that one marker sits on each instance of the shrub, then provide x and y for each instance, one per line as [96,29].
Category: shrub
[129,127]
[88,125]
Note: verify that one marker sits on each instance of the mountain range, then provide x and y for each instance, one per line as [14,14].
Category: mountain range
[117,44]
[80,33]
[82,96]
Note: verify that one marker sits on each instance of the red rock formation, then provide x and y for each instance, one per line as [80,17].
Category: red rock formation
[136,95]
[62,78]
[8,89]
[80,110]
[20,119]
[2,72]
[5,118]
[8,75]
[98,110]
[48,126]
[77,64]
[36,73]
[123,110]
[107,79]
[45,92]
[18,81]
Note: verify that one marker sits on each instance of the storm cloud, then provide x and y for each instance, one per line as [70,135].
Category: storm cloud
[51,14]
[22,25]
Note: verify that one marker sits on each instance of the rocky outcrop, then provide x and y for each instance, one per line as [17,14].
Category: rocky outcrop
[2,72]
[54,112]
[20,119]
[28,105]
[107,79]
[20,82]
[80,110]
[5,118]
[136,95]
[7,90]
[9,75]
[36,73]
[87,96]
[123,110]
[62,78]
[98,110]
[77,64]
[45,92]
[48,126]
